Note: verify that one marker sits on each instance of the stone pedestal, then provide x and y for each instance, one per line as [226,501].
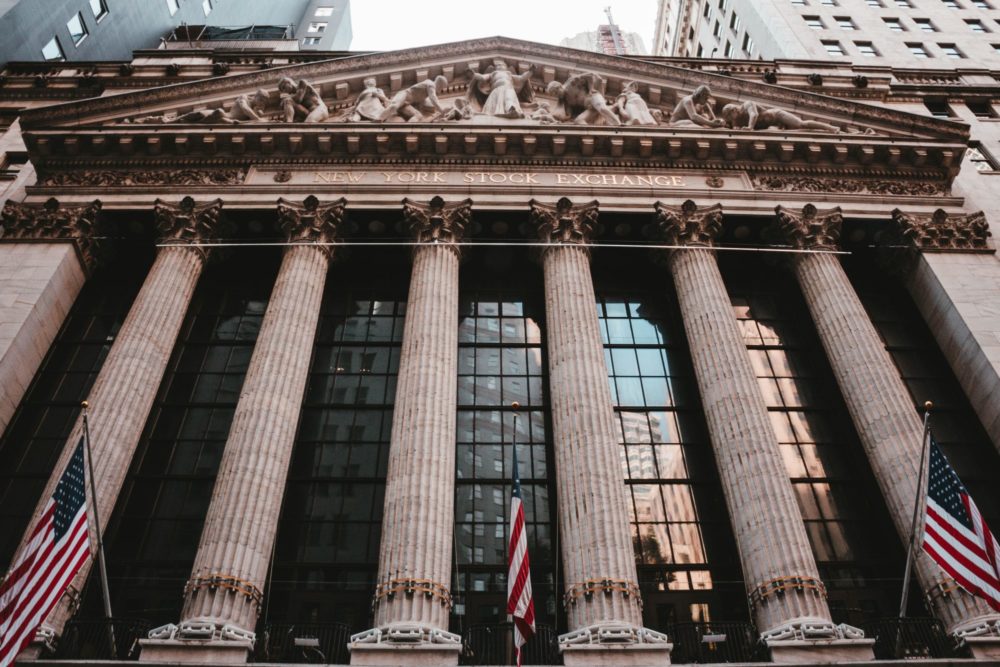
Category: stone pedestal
[223,595]
[205,652]
[822,651]
[786,594]
[610,655]
[413,596]
[984,648]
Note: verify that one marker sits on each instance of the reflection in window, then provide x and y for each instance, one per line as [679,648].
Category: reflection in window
[99,9]
[52,51]
[77,29]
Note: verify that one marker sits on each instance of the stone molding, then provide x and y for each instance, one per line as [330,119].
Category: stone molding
[688,224]
[438,221]
[310,222]
[809,229]
[849,185]
[126,177]
[53,222]
[187,223]
[941,231]
[565,223]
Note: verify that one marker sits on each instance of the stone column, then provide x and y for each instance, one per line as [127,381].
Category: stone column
[123,392]
[786,594]
[880,405]
[413,595]
[602,599]
[46,254]
[223,595]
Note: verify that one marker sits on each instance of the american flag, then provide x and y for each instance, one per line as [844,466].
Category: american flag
[955,534]
[520,605]
[58,548]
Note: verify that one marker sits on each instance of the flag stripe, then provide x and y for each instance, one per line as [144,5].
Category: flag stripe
[520,604]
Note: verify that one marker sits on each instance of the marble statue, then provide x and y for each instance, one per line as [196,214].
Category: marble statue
[582,99]
[371,103]
[301,102]
[695,110]
[749,116]
[632,108]
[407,103]
[245,108]
[500,92]
[460,110]
[543,114]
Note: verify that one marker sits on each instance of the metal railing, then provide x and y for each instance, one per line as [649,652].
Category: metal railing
[909,638]
[303,642]
[87,639]
[494,645]
[715,642]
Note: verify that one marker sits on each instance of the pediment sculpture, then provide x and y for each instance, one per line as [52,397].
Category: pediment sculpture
[500,92]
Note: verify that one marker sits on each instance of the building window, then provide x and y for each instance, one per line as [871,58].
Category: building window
[799,3]
[324,11]
[925,25]
[976,25]
[952,4]
[834,48]
[52,51]
[729,49]
[734,23]
[866,48]
[722,6]
[918,50]
[77,30]
[747,44]
[981,108]
[845,23]
[311,41]
[981,4]
[951,51]
[814,22]
[829,3]
[174,6]
[701,51]
[996,47]
[877,4]
[206,6]
[717,30]
[99,8]
[904,4]
[895,25]
[317,27]
[708,10]
[939,108]
[981,160]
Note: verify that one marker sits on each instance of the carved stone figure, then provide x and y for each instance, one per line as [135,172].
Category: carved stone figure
[501,92]
[695,110]
[543,114]
[460,110]
[371,103]
[301,102]
[749,116]
[632,108]
[408,102]
[245,108]
[582,99]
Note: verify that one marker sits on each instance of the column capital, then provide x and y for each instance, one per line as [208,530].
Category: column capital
[689,224]
[941,231]
[565,223]
[438,221]
[311,222]
[52,222]
[810,228]
[187,223]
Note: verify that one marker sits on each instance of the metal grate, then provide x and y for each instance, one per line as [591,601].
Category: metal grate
[494,645]
[91,640]
[715,642]
[303,642]
[909,638]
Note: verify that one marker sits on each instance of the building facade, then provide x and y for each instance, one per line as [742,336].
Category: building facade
[719,292]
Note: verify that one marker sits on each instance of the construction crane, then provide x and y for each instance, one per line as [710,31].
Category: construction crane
[618,48]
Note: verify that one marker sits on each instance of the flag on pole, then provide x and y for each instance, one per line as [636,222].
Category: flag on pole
[520,605]
[58,548]
[955,534]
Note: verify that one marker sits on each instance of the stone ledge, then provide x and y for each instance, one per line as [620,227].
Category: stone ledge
[404,655]
[623,655]
[822,651]
[187,651]
[984,648]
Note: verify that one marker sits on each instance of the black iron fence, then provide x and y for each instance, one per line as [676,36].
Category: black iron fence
[102,639]
[303,642]
[494,645]
[715,642]
[909,638]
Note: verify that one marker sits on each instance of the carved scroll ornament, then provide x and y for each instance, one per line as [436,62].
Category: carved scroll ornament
[52,221]
[564,223]
[187,223]
[811,228]
[311,222]
[941,231]
[437,221]
[688,224]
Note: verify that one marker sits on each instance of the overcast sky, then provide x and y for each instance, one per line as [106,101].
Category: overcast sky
[386,25]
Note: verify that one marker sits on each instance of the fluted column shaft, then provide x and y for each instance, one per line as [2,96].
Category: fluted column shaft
[770,535]
[883,414]
[125,388]
[417,524]
[236,542]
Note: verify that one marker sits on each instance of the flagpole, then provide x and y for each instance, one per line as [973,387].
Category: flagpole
[513,442]
[102,566]
[917,504]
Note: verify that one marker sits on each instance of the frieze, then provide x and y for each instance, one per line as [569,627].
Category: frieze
[109,178]
[849,186]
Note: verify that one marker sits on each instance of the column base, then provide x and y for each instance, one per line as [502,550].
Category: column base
[984,648]
[204,651]
[624,655]
[821,651]
[396,655]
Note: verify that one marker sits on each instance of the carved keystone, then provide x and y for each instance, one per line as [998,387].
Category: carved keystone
[811,229]
[51,221]
[564,223]
[187,223]
[437,221]
[310,222]
[687,224]
[941,231]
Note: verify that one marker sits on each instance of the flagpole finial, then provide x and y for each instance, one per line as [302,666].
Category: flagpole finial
[84,404]
[515,405]
[928,406]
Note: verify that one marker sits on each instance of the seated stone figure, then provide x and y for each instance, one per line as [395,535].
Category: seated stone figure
[408,103]
[245,108]
[632,108]
[695,110]
[749,116]
[300,102]
[370,104]
[582,99]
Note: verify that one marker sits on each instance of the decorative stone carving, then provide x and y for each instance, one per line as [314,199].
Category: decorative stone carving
[460,110]
[371,103]
[689,225]
[582,100]
[941,231]
[695,110]
[51,221]
[564,223]
[543,114]
[810,229]
[632,108]
[187,223]
[850,185]
[148,177]
[749,116]
[301,102]
[309,222]
[245,108]
[436,221]
[409,102]
[500,92]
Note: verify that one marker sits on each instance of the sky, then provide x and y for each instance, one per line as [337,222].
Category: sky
[387,25]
